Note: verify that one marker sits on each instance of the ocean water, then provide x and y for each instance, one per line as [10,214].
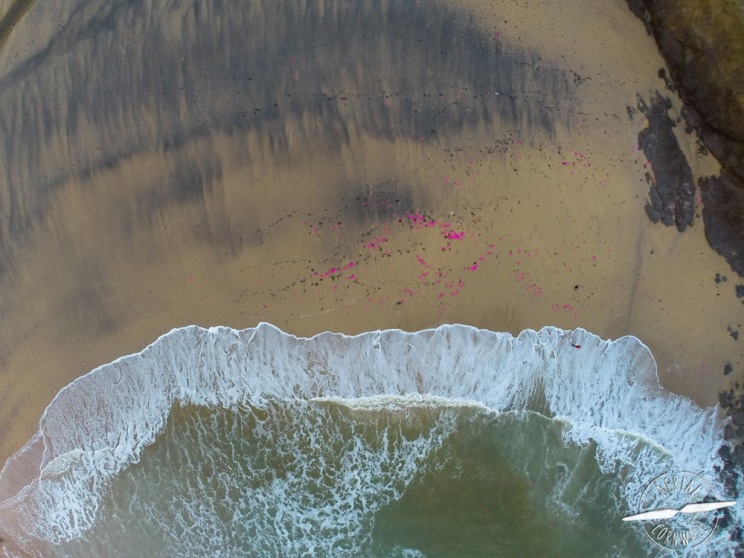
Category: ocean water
[448,442]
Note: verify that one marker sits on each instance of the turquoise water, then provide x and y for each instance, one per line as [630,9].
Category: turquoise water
[322,479]
[446,442]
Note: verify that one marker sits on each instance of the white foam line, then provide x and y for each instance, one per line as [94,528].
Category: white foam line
[604,387]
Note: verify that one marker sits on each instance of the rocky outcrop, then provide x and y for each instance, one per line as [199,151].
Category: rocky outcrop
[723,215]
[672,187]
[731,453]
[703,44]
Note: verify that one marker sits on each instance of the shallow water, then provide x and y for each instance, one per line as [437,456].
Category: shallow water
[318,478]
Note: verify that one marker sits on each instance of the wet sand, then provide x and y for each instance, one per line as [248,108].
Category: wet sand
[338,167]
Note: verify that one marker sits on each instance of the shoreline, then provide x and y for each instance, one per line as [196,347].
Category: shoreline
[241,226]
[639,366]
[447,362]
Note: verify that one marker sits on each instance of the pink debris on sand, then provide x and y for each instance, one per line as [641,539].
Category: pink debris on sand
[376,243]
[333,270]
[418,221]
[559,306]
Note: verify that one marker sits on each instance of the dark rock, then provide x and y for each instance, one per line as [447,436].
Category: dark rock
[703,44]
[738,418]
[638,8]
[725,453]
[729,432]
[730,478]
[667,80]
[718,278]
[727,369]
[723,215]
[739,291]
[726,399]
[672,192]
[735,335]
[692,117]
[736,535]
[723,518]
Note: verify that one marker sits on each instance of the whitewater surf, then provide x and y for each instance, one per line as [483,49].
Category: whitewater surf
[443,442]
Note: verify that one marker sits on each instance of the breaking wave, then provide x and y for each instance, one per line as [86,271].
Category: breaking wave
[605,394]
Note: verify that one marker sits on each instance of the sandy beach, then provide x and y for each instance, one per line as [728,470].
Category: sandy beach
[456,162]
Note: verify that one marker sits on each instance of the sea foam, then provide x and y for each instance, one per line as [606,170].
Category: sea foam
[100,423]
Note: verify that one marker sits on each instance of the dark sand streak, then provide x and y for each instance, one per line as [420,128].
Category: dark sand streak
[262,67]
[11,18]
